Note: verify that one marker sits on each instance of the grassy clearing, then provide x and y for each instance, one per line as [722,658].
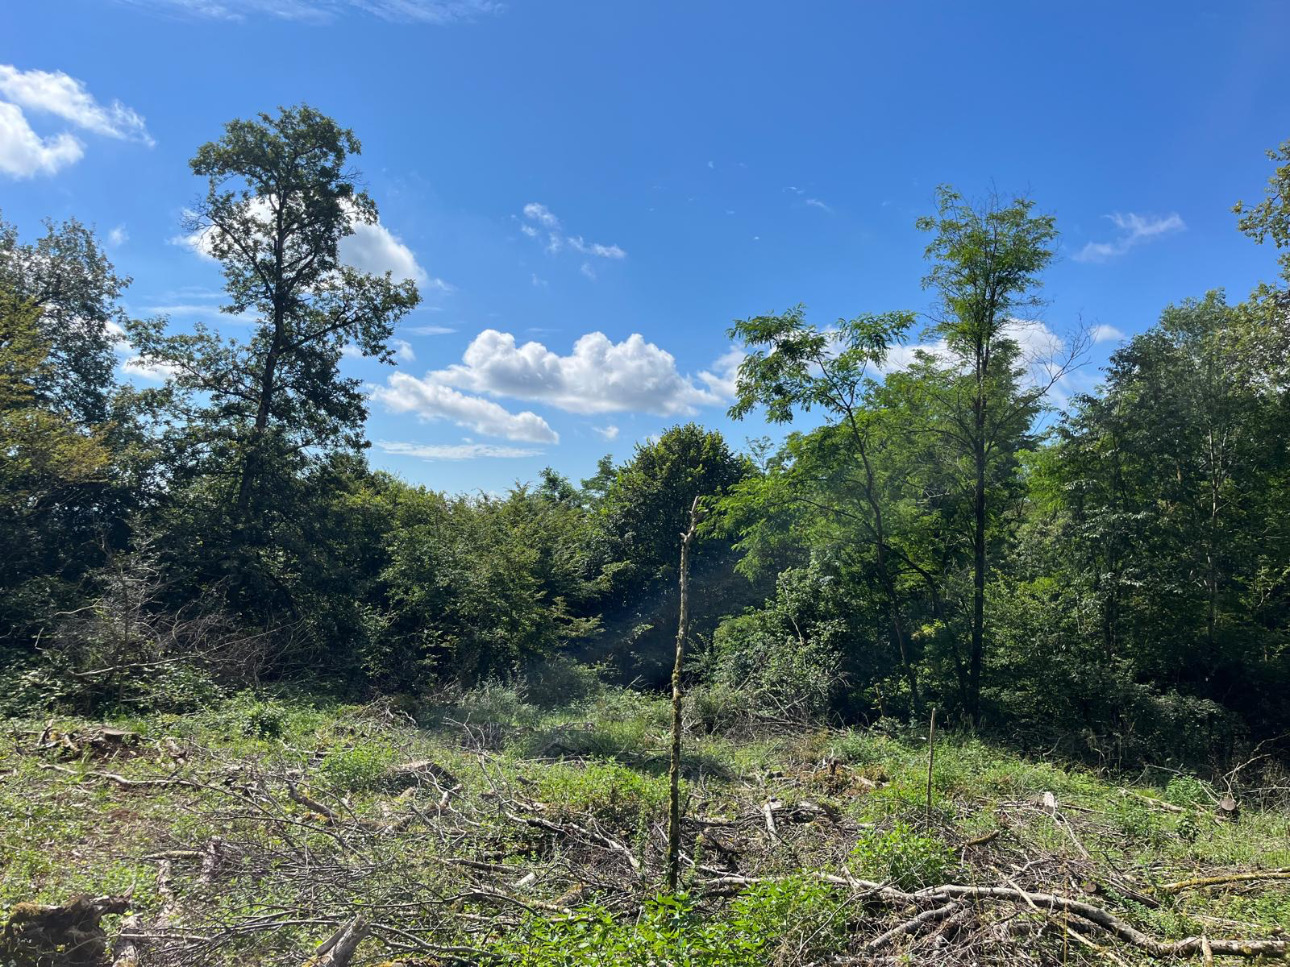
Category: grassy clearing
[535,836]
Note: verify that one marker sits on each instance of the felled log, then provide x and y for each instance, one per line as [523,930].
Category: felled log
[338,950]
[70,935]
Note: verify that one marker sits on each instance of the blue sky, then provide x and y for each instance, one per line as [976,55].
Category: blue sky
[590,193]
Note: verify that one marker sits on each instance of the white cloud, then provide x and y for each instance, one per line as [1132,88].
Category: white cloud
[459,451]
[539,213]
[437,12]
[132,364]
[599,376]
[608,432]
[65,97]
[431,400]
[722,380]
[202,310]
[24,153]
[371,248]
[1134,230]
[1042,355]
[374,248]
[403,349]
[430,330]
[118,236]
[595,248]
[539,221]
[1105,334]
[539,283]
[150,369]
[816,203]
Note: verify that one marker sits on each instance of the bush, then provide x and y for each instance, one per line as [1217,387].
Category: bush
[358,768]
[903,857]
[559,682]
[788,656]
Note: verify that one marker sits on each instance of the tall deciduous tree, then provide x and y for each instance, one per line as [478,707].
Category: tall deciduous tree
[280,198]
[986,264]
[70,284]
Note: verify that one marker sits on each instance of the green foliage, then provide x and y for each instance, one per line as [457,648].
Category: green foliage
[357,768]
[794,917]
[908,859]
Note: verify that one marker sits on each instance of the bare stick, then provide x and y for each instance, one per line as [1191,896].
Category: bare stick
[674,770]
[931,760]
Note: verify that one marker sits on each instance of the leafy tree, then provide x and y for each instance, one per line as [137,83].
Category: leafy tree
[639,520]
[280,198]
[68,281]
[986,263]
[50,470]
[796,366]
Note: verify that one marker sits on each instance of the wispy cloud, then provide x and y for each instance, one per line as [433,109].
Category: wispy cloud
[456,451]
[430,330]
[816,203]
[1105,334]
[539,222]
[24,153]
[437,12]
[1134,229]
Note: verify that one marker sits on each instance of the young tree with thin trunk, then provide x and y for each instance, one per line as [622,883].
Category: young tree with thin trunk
[986,264]
[793,366]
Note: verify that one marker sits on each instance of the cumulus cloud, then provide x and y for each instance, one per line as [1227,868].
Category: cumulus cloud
[539,222]
[456,451]
[598,376]
[438,12]
[374,248]
[23,152]
[118,236]
[1105,334]
[1043,355]
[607,432]
[431,400]
[131,363]
[149,369]
[1134,230]
[723,378]
[371,248]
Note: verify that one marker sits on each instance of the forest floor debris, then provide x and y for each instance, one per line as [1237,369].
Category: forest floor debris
[288,834]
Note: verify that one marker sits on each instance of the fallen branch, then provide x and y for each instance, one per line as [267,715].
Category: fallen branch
[1204,881]
[909,926]
[1096,916]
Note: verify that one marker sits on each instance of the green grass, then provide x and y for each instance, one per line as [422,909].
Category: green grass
[601,765]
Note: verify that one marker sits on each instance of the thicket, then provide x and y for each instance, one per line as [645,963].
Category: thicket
[1111,579]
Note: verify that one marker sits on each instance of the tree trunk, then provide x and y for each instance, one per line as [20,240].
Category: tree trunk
[674,770]
[978,576]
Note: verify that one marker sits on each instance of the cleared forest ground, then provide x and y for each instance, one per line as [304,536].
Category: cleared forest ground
[273,831]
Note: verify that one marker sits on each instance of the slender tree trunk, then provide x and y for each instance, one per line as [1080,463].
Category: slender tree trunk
[978,573]
[674,770]
[889,585]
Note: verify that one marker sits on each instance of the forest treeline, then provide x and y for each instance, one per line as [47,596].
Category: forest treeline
[1111,580]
